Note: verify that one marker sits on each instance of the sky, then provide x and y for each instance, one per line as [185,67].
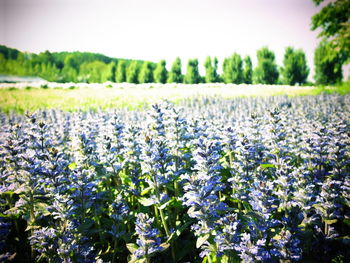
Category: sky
[160,29]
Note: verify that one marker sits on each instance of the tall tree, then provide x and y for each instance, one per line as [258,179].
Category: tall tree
[146,73]
[211,67]
[232,69]
[120,75]
[247,70]
[334,22]
[175,75]
[112,69]
[69,74]
[266,71]
[192,74]
[2,63]
[94,72]
[295,69]
[160,73]
[132,72]
[328,64]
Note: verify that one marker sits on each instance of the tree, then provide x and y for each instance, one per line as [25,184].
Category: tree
[132,72]
[49,72]
[69,74]
[328,64]
[266,71]
[160,73]
[232,69]
[113,69]
[120,75]
[211,75]
[146,73]
[334,22]
[175,75]
[94,72]
[2,63]
[247,70]
[192,74]
[295,68]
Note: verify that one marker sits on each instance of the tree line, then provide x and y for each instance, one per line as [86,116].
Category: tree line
[97,68]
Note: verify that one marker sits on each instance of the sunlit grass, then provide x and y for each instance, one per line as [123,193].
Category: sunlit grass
[31,99]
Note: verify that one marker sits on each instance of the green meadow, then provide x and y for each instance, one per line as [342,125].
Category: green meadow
[138,97]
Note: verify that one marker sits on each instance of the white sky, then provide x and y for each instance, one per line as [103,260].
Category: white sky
[159,29]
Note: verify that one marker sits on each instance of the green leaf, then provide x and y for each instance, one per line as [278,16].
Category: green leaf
[201,240]
[347,221]
[225,259]
[178,230]
[146,190]
[8,192]
[164,246]
[29,227]
[165,204]
[146,201]
[267,165]
[86,225]
[132,247]
[72,166]
[330,221]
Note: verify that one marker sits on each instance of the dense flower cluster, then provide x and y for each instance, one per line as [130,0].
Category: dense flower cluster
[213,180]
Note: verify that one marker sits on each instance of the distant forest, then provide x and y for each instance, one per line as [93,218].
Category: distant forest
[97,68]
[63,66]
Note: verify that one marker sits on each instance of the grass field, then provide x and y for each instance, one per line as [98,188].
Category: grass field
[139,96]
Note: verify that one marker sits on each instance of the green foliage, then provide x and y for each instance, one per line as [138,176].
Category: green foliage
[328,64]
[120,75]
[23,100]
[49,72]
[192,74]
[266,71]
[232,69]
[295,68]
[211,67]
[175,75]
[94,72]
[2,63]
[61,66]
[112,69]
[334,22]
[247,70]
[69,75]
[8,53]
[132,72]
[146,73]
[160,73]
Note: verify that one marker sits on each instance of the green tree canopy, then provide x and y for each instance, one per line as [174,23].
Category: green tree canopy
[211,68]
[232,69]
[192,74]
[132,72]
[266,72]
[295,69]
[65,66]
[112,71]
[146,73]
[69,74]
[94,72]
[160,73]
[247,70]
[334,22]
[175,75]
[328,64]
[120,75]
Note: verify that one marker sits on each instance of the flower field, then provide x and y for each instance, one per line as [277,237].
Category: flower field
[263,179]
